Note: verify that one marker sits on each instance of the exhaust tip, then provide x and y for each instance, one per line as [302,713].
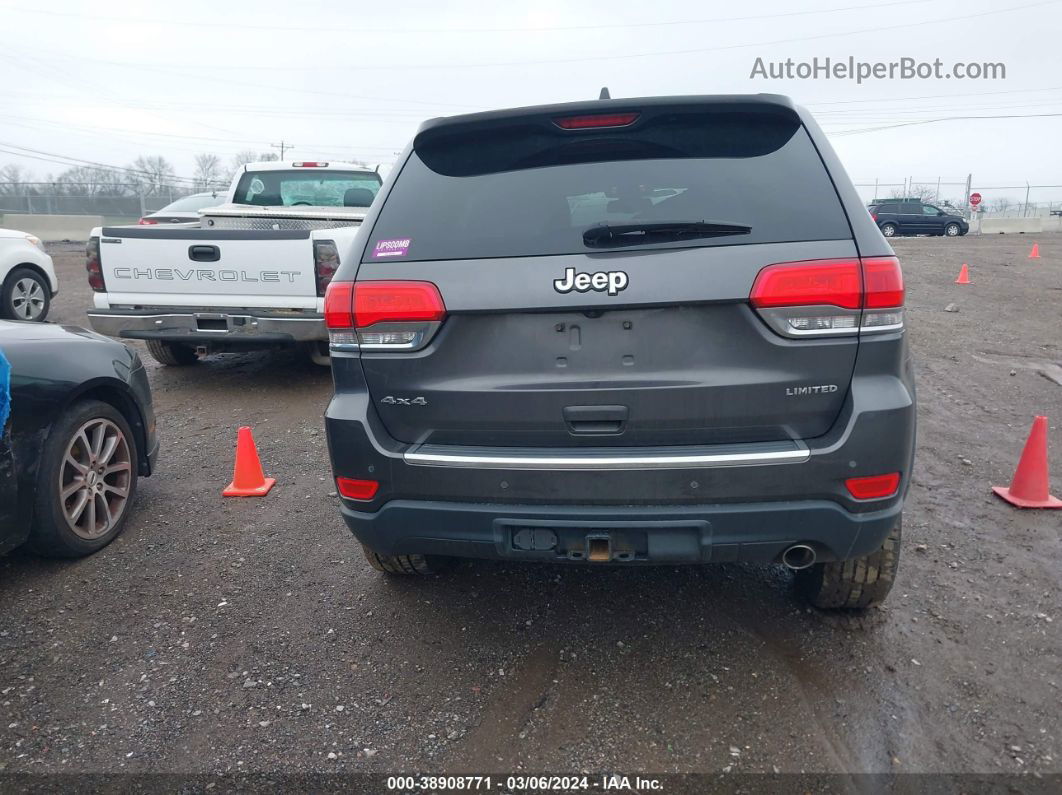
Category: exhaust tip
[798,556]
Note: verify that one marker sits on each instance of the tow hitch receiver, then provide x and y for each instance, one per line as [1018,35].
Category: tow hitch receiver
[598,549]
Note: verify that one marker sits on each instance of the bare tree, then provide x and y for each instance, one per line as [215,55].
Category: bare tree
[925,193]
[153,174]
[13,178]
[207,171]
[1000,206]
[91,181]
[240,159]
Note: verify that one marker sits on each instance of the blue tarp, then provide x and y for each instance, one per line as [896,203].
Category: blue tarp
[5,390]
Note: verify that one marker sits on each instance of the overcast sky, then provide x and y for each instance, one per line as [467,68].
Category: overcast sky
[110,81]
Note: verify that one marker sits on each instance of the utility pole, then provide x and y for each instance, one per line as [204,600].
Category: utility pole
[283,146]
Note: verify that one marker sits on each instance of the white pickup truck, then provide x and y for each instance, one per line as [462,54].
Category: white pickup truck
[252,274]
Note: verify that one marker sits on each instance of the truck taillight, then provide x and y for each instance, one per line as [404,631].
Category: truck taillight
[93,266]
[382,315]
[830,297]
[325,263]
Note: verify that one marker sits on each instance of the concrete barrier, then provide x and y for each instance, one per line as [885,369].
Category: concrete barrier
[992,226]
[52,227]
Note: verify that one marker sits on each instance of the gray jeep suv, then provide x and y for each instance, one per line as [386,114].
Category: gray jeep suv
[627,331]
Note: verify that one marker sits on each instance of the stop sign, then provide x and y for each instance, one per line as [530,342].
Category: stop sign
[975,199]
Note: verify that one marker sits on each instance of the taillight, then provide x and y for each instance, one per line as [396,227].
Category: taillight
[884,294]
[828,282]
[590,121]
[93,266]
[875,487]
[354,489]
[147,221]
[383,315]
[874,217]
[830,297]
[325,263]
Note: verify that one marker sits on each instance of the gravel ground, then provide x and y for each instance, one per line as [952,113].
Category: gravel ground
[249,635]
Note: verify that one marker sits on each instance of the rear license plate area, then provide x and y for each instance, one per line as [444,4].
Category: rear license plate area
[604,542]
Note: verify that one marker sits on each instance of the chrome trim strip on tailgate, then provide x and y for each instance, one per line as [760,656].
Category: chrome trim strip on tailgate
[619,458]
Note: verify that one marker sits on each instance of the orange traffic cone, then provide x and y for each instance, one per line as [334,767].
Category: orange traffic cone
[248,480]
[964,275]
[1029,489]
[1035,253]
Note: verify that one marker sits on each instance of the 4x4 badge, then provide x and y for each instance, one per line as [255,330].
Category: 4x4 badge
[612,281]
[398,401]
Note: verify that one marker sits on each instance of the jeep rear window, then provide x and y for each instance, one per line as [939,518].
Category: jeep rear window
[528,191]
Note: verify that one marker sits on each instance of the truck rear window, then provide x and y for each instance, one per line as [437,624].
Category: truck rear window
[313,188]
[526,192]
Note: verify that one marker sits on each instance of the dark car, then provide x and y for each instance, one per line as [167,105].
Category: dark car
[916,218]
[185,210]
[604,332]
[81,430]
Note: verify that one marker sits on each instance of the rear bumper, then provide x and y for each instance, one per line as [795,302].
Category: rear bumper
[722,502]
[746,532]
[235,328]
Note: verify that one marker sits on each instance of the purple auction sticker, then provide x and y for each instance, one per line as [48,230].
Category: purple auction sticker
[391,248]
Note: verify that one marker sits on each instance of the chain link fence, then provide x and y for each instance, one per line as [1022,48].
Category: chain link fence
[1013,200]
[115,203]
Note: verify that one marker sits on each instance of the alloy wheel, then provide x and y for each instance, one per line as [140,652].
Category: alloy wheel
[94,478]
[27,299]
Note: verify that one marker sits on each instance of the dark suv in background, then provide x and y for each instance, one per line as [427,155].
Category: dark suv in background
[605,332]
[915,218]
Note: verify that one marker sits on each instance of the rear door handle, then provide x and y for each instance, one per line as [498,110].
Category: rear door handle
[591,420]
[203,253]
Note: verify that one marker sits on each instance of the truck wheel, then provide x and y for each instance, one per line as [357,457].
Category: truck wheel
[403,564]
[86,482]
[24,295]
[171,353]
[857,583]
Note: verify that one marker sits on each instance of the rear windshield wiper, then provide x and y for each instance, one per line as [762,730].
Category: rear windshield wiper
[638,233]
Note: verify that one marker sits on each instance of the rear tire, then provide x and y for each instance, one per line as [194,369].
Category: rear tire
[172,354]
[853,584]
[403,564]
[86,482]
[889,230]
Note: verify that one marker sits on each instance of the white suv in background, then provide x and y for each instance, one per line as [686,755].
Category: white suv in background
[27,277]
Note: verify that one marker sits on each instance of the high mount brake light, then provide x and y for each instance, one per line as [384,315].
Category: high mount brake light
[309,164]
[590,121]
[830,297]
[382,315]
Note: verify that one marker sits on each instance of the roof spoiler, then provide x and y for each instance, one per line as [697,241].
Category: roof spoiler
[646,107]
